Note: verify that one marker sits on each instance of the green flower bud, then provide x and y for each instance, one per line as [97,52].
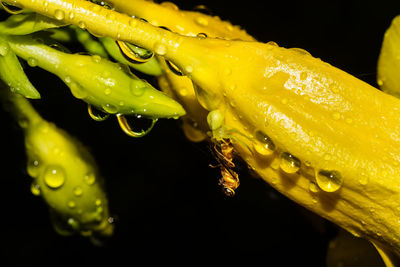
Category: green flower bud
[99,82]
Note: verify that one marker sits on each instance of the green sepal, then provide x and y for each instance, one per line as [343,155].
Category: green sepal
[23,24]
[12,74]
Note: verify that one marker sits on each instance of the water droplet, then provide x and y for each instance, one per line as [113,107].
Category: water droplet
[327,157]
[380,82]
[67,79]
[202,21]
[329,181]
[303,75]
[189,69]
[215,119]
[23,123]
[109,108]
[110,16]
[289,163]
[98,202]
[32,62]
[90,178]
[127,125]
[35,189]
[71,15]
[11,9]
[97,114]
[349,120]
[272,43]
[300,51]
[54,176]
[133,22]
[137,89]
[77,90]
[201,35]
[265,147]
[160,49]
[364,179]
[59,14]
[78,191]
[228,71]
[313,187]
[133,53]
[107,91]
[336,116]
[4,48]
[82,24]
[96,58]
[174,68]
[169,5]
[33,168]
[71,204]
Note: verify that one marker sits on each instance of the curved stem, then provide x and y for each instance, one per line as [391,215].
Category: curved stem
[103,22]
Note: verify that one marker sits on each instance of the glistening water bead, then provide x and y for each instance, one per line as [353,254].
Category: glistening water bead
[264,146]
[289,163]
[329,181]
[54,177]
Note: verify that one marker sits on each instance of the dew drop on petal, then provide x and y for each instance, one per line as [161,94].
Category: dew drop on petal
[289,163]
[54,176]
[59,14]
[329,181]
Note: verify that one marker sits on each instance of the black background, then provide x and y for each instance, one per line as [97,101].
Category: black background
[162,192]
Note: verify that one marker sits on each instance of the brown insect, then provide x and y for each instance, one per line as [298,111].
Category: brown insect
[224,155]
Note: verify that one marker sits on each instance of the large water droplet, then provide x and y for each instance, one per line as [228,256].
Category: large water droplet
[289,163]
[127,124]
[174,68]
[59,14]
[133,53]
[329,181]
[11,9]
[264,147]
[96,114]
[54,176]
